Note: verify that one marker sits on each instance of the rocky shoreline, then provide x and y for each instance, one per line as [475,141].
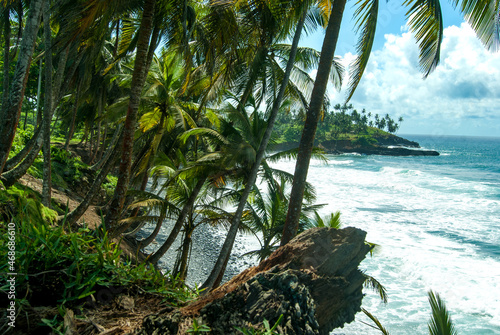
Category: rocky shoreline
[386,145]
[312,285]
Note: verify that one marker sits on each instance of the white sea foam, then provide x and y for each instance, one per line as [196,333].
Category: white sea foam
[436,232]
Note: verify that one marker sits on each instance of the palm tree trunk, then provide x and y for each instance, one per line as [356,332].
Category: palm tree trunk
[311,122]
[147,241]
[184,260]
[144,184]
[11,163]
[138,79]
[10,177]
[152,47]
[91,152]
[19,29]
[117,39]
[11,108]
[220,265]
[39,96]
[107,153]
[77,213]
[154,258]
[73,117]
[98,139]
[6,55]
[47,108]
[85,136]
[219,278]
[103,142]
[57,90]
[77,56]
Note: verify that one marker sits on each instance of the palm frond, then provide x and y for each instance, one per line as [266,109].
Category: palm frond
[375,285]
[337,73]
[440,323]
[426,22]
[484,18]
[366,20]
[378,325]
[291,154]
[205,132]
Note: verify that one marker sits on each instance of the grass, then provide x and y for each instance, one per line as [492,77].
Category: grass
[62,268]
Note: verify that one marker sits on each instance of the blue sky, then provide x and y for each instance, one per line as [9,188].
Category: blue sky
[461,97]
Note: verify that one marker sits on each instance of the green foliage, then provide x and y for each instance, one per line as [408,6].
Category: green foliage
[268,330]
[21,204]
[110,184]
[292,133]
[66,169]
[365,140]
[69,168]
[440,323]
[63,267]
[55,325]
[375,285]
[330,221]
[343,122]
[22,137]
[378,324]
[198,329]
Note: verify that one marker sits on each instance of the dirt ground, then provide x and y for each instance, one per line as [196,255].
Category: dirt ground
[91,218]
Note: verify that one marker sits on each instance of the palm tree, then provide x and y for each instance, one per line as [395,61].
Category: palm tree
[425,20]
[311,123]
[266,212]
[11,108]
[47,106]
[138,79]
[276,104]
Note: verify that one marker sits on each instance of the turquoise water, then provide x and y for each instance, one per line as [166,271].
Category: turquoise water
[437,221]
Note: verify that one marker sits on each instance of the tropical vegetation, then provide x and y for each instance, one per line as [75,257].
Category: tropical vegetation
[167,110]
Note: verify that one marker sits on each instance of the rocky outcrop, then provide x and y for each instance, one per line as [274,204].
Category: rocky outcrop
[313,281]
[386,145]
[380,150]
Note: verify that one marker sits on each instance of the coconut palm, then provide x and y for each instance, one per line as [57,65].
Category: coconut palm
[137,84]
[424,20]
[266,212]
[276,104]
[11,108]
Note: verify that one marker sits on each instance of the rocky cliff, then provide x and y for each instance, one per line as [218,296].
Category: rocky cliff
[313,281]
[387,145]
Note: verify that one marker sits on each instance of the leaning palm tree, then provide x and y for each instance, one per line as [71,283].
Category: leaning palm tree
[138,80]
[425,21]
[11,108]
[267,13]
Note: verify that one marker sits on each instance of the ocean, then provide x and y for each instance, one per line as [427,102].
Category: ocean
[436,221]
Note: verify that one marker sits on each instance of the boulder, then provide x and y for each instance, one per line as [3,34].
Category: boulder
[313,281]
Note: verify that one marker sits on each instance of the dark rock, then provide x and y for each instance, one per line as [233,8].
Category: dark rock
[386,145]
[387,151]
[313,281]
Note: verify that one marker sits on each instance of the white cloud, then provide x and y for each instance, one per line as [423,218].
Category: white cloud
[462,96]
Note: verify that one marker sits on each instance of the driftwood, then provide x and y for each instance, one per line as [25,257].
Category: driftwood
[313,281]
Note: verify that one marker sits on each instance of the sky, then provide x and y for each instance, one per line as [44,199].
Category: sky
[461,97]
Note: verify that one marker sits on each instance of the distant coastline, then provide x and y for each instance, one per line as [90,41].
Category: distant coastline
[380,144]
